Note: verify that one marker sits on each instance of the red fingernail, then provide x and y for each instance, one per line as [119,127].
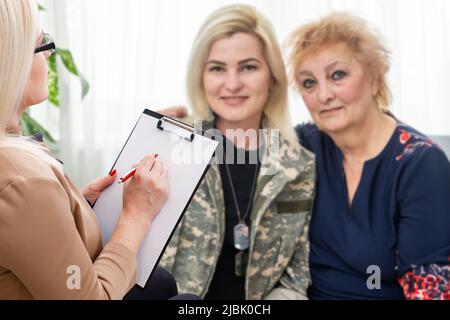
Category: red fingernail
[156,155]
[113,173]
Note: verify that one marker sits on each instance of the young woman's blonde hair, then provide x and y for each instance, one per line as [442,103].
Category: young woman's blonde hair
[225,22]
[18,30]
[365,42]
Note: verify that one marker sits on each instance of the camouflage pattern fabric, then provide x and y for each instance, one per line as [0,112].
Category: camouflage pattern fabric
[276,265]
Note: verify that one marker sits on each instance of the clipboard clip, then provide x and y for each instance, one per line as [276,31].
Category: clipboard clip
[178,128]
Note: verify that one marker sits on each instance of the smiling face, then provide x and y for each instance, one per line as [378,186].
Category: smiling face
[338,92]
[237,80]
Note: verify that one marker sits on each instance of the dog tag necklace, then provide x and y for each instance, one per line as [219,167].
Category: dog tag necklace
[241,230]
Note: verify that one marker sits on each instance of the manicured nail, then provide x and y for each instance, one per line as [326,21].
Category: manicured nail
[155,155]
[113,173]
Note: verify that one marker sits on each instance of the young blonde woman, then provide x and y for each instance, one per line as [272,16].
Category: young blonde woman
[245,234]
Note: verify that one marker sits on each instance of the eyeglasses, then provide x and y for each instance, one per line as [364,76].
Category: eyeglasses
[48,44]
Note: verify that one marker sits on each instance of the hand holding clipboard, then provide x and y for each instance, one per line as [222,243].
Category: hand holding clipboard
[176,144]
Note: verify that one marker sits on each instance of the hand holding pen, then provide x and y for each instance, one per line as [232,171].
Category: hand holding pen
[132,172]
[143,197]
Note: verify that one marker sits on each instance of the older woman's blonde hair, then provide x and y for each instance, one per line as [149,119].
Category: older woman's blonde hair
[366,44]
[18,29]
[225,22]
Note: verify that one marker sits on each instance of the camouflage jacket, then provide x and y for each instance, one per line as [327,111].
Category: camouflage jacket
[277,262]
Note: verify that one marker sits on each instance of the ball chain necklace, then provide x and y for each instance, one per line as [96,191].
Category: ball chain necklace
[241,230]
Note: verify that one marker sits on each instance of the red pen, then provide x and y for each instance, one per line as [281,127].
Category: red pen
[130,173]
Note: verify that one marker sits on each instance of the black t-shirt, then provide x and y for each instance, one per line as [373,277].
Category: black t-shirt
[225,284]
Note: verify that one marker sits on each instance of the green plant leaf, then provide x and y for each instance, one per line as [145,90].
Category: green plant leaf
[41,8]
[53,87]
[30,126]
[67,60]
[84,86]
[69,63]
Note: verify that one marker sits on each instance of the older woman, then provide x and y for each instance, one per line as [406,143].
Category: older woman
[50,242]
[245,234]
[381,219]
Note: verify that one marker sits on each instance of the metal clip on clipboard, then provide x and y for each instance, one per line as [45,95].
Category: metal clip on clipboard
[178,128]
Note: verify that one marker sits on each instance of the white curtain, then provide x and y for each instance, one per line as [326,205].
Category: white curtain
[134,55]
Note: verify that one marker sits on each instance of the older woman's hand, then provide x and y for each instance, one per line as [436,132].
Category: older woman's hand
[92,191]
[145,194]
[143,197]
[174,111]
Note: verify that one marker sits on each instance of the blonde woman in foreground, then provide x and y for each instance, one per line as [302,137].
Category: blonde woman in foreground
[48,230]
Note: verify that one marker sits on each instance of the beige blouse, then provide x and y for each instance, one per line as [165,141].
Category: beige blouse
[50,242]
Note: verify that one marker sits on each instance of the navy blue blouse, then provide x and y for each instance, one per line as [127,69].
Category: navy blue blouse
[399,218]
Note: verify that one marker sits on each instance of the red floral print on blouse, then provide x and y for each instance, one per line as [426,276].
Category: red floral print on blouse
[431,282]
[412,141]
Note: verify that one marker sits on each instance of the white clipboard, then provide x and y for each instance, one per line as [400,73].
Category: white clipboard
[186,154]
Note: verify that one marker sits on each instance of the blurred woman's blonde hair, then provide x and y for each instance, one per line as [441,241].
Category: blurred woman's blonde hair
[366,44]
[225,22]
[18,30]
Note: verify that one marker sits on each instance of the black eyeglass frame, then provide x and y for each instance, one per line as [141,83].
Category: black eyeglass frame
[47,47]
